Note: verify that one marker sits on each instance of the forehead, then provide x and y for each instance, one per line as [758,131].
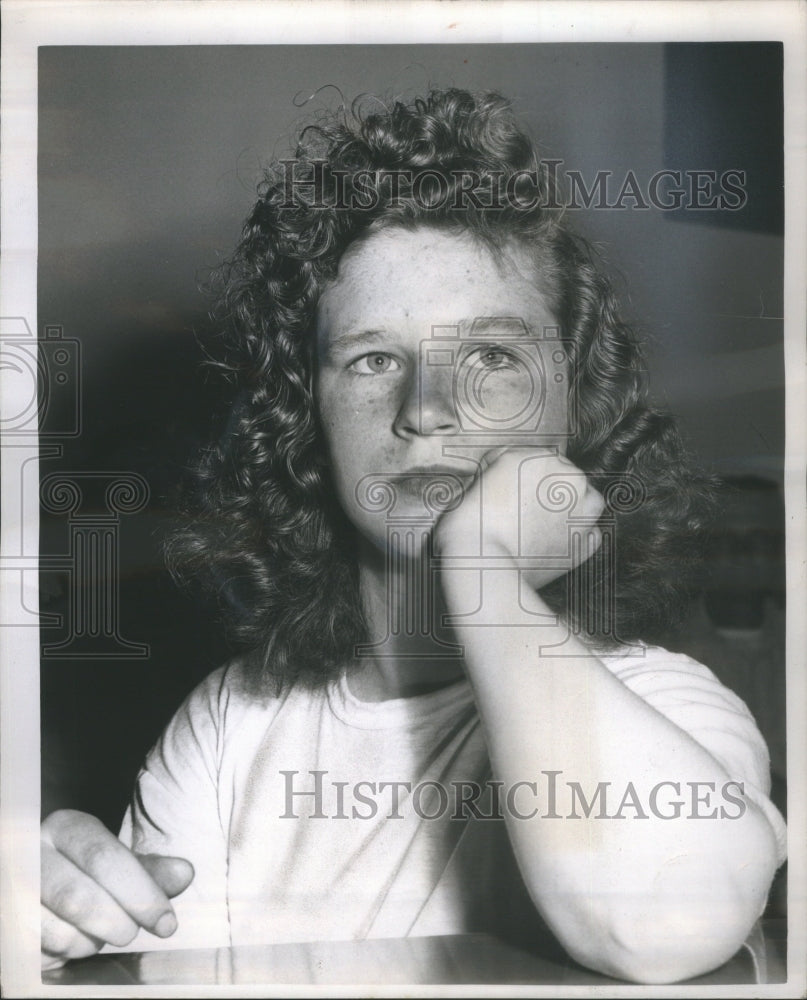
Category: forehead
[427,276]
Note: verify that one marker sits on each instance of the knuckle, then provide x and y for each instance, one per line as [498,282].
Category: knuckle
[123,932]
[69,903]
[58,816]
[57,949]
[81,947]
[52,824]
[65,824]
[97,854]
[145,910]
[57,937]
[78,914]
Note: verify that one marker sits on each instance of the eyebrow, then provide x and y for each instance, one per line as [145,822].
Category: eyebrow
[478,326]
[354,339]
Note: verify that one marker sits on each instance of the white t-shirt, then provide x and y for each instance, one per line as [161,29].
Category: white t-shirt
[292,813]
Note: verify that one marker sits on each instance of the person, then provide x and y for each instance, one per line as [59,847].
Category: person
[446,524]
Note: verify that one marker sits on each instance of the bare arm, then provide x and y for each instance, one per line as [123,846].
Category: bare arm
[647,899]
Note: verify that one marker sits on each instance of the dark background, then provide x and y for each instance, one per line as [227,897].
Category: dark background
[148,161]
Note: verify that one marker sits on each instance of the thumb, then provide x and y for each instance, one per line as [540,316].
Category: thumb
[172,875]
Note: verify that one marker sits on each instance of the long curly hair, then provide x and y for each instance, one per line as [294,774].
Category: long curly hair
[263,529]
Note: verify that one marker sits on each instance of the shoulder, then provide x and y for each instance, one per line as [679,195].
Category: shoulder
[206,705]
[228,693]
[224,704]
[231,706]
[670,677]
[224,689]
[688,694]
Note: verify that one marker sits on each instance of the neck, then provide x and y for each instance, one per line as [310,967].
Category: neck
[408,650]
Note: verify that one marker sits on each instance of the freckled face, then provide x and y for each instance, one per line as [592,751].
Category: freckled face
[431,352]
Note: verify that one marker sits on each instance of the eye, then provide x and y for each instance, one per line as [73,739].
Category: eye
[491,357]
[376,363]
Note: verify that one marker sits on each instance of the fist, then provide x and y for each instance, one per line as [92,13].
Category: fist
[528,504]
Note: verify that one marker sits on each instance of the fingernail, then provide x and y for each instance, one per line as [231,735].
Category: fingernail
[166,925]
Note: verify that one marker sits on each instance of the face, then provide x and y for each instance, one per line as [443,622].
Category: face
[432,353]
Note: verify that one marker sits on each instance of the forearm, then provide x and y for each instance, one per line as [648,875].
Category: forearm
[626,890]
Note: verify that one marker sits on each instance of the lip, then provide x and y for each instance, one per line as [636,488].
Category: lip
[439,470]
[415,481]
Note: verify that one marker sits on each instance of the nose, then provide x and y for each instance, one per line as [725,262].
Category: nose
[427,406]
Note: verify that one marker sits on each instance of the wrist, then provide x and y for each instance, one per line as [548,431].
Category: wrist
[461,538]
[468,582]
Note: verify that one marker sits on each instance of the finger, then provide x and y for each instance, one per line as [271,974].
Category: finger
[490,457]
[61,941]
[535,451]
[172,875]
[78,900]
[87,843]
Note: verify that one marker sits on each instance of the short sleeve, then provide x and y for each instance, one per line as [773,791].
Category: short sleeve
[690,696]
[175,811]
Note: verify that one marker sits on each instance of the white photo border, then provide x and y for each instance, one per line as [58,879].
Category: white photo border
[28,24]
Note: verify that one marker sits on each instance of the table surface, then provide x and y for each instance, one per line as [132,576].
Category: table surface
[451,960]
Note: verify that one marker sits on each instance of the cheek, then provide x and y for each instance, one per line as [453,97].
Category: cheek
[345,411]
[548,426]
[555,417]
[357,431]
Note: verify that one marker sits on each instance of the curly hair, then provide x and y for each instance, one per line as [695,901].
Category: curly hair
[263,527]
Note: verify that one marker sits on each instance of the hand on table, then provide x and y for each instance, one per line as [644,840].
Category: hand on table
[96,892]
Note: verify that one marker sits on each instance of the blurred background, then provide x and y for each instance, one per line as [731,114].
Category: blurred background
[148,162]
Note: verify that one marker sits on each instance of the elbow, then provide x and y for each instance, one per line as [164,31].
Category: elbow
[674,930]
[644,920]
[668,951]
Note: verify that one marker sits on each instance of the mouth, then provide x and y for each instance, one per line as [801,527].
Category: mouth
[438,470]
[444,484]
